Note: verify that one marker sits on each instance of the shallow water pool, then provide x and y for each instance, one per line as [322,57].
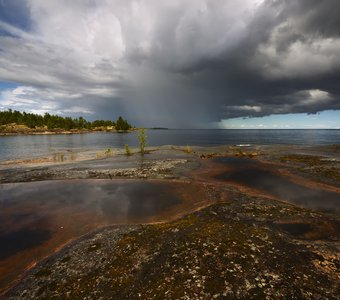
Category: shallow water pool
[39,217]
[253,174]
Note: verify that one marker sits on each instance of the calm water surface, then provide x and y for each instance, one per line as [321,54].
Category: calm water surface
[37,217]
[253,174]
[16,147]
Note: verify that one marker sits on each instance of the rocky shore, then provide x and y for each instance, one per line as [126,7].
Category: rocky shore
[15,129]
[245,245]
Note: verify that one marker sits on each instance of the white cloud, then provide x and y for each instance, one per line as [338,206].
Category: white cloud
[78,110]
[316,97]
[29,99]
[92,32]
[292,54]
[248,108]
[22,98]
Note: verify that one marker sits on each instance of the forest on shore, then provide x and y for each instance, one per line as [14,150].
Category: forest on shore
[50,122]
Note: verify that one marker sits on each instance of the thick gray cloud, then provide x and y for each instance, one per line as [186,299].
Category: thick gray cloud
[171,63]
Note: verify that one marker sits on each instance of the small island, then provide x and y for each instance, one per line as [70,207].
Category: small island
[13,122]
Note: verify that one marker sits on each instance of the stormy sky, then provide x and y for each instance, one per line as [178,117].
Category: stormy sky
[175,63]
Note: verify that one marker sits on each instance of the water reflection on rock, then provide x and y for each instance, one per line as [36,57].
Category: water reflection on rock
[38,217]
[113,201]
[16,241]
[255,175]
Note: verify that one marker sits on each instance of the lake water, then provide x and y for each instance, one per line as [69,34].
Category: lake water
[15,147]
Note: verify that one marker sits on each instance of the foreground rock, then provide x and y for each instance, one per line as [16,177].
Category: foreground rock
[243,246]
[160,169]
[244,249]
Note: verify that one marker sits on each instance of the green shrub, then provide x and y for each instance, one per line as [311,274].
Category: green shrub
[142,140]
[188,149]
[127,150]
[108,152]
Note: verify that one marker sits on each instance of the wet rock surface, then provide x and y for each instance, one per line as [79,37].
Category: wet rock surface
[245,246]
[322,168]
[226,251]
[159,169]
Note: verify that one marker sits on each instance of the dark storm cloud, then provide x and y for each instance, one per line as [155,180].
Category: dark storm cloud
[287,62]
[173,63]
[316,17]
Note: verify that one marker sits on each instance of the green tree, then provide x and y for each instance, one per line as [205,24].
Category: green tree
[54,121]
[122,124]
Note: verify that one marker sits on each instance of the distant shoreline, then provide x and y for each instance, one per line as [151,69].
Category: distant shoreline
[30,131]
[59,132]
[43,133]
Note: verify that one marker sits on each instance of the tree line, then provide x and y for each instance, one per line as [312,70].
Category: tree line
[57,122]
